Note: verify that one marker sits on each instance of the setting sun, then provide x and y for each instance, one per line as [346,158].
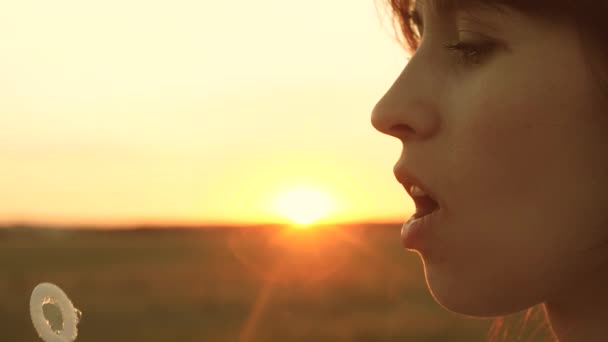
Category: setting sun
[188,131]
[304,206]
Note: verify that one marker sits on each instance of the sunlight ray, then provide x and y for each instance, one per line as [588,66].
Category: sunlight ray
[248,330]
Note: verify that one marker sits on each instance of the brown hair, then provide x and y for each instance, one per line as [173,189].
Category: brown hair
[588,18]
[539,329]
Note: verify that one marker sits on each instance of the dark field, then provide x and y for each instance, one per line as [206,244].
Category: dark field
[350,283]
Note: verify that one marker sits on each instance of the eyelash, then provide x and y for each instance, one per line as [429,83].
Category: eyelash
[464,48]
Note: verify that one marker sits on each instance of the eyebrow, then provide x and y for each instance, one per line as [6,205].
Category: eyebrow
[448,7]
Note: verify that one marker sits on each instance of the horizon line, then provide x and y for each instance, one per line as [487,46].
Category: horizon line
[176,225]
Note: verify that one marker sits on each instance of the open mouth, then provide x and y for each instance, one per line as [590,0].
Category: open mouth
[425,205]
[424,197]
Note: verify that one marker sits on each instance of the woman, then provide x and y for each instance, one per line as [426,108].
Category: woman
[502,110]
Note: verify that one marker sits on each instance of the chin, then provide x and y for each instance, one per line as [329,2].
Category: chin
[474,300]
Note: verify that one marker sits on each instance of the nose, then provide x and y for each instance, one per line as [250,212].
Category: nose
[407,110]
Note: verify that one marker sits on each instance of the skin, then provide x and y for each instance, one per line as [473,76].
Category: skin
[515,147]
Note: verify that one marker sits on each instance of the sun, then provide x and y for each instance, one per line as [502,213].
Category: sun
[304,206]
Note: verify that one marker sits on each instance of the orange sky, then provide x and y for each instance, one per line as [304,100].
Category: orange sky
[194,111]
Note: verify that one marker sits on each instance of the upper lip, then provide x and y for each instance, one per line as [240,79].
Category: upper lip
[407,178]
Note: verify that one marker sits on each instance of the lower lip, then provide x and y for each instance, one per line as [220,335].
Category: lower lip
[415,232]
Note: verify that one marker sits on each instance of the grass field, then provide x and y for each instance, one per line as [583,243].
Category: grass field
[350,283]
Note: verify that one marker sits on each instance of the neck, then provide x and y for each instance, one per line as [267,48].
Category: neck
[580,313]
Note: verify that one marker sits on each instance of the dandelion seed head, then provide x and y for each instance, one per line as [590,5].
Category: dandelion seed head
[47,293]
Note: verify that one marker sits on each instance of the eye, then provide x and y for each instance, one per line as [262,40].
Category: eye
[471,53]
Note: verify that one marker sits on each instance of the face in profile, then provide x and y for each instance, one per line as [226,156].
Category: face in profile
[511,136]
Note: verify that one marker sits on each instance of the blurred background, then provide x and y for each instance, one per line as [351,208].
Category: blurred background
[207,171]
[128,111]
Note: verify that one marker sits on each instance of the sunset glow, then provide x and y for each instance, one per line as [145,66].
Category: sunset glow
[304,206]
[196,112]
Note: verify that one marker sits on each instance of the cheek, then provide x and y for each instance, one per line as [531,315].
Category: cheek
[527,137]
[516,142]
[509,165]
[509,141]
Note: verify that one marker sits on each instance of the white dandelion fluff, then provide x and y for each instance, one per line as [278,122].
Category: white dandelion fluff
[47,293]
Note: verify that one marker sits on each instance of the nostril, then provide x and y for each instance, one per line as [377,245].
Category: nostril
[402,131]
[407,128]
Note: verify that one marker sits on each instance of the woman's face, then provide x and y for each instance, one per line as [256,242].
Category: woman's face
[515,147]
